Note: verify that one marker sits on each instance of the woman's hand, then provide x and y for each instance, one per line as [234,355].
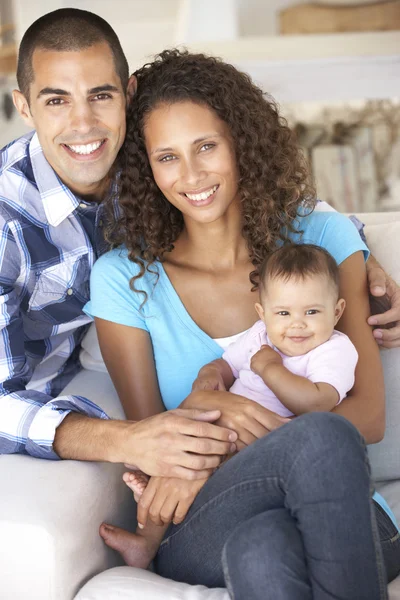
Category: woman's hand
[167,499]
[249,419]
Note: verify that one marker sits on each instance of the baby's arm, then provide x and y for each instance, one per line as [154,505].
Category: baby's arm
[297,393]
[216,375]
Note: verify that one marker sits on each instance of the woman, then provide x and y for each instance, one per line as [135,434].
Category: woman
[211,182]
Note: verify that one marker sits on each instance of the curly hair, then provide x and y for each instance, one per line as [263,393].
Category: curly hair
[273,176]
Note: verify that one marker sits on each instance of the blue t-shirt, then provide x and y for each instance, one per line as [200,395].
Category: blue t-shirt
[180,347]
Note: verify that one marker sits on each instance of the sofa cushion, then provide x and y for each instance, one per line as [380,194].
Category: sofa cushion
[384,242]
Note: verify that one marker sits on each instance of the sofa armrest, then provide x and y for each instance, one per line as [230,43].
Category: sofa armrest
[50,512]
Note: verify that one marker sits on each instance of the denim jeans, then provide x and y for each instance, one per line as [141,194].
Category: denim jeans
[288,518]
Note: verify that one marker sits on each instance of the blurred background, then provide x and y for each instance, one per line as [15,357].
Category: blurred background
[332,65]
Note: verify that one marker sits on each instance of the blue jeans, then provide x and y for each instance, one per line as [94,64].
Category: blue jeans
[288,518]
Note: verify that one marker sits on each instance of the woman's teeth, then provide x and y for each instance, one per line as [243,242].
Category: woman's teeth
[203,195]
[86,148]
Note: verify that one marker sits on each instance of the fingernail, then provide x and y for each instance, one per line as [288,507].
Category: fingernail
[373,321]
[108,527]
[232,448]
[377,289]
[378,334]
[232,437]
[379,342]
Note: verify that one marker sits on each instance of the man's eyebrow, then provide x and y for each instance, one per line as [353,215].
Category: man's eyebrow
[197,141]
[106,87]
[47,91]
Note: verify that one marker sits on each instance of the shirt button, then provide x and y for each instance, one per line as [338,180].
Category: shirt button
[70,291]
[82,205]
[101,223]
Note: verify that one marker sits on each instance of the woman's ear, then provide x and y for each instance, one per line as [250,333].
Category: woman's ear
[339,308]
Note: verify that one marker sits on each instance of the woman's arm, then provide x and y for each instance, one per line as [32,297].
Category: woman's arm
[365,404]
[128,355]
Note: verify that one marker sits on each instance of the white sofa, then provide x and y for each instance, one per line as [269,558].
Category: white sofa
[50,511]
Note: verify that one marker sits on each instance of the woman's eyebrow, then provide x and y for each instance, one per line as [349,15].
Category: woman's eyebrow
[196,141]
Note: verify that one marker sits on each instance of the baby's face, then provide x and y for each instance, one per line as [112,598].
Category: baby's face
[300,314]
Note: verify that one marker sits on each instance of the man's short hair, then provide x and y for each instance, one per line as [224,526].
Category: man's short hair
[67,30]
[299,261]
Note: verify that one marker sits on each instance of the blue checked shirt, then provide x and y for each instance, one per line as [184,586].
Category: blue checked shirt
[49,240]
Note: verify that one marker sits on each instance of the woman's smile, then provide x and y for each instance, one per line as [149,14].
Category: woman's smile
[202,198]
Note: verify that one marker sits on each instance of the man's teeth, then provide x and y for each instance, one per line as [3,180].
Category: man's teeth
[86,149]
[203,195]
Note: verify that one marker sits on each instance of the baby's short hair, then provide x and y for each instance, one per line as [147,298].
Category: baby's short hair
[299,261]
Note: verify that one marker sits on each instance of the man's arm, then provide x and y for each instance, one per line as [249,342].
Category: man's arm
[384,294]
[28,418]
[179,443]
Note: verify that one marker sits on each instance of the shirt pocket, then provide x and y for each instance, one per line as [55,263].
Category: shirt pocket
[61,291]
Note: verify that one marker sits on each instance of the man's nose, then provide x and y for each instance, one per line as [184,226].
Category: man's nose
[82,117]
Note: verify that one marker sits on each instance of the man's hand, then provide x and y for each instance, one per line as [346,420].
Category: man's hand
[263,359]
[167,499]
[178,443]
[385,296]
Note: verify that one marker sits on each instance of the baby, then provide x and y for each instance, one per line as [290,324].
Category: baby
[291,361]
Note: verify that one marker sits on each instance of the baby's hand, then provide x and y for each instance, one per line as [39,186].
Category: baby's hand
[209,379]
[263,359]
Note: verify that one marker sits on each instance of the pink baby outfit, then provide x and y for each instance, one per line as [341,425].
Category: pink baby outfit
[333,362]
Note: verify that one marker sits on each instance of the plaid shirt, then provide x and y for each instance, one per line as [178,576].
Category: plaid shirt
[49,240]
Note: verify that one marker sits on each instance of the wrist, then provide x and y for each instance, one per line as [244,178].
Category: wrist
[271,371]
[80,437]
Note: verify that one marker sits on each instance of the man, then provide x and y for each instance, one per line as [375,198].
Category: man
[74,87]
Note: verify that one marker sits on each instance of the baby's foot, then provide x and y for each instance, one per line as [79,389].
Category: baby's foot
[137,482]
[134,549]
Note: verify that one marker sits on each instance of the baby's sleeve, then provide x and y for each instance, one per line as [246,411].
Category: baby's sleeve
[237,353]
[334,362]
[111,297]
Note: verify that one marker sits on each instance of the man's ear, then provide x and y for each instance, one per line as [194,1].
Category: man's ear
[339,308]
[131,89]
[22,106]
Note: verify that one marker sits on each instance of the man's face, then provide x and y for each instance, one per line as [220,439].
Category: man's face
[77,106]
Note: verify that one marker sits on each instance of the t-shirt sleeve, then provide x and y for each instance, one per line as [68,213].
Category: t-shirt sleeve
[111,297]
[337,234]
[334,362]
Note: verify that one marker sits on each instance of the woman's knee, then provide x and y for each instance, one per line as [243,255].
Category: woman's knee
[325,431]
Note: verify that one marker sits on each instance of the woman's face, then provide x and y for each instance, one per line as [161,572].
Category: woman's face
[193,160]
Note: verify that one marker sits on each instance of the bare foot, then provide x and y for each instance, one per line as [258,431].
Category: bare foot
[137,482]
[134,549]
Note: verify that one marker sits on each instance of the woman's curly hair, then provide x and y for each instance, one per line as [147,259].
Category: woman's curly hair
[273,176]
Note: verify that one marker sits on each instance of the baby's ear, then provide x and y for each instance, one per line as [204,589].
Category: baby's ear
[260,310]
[339,308]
